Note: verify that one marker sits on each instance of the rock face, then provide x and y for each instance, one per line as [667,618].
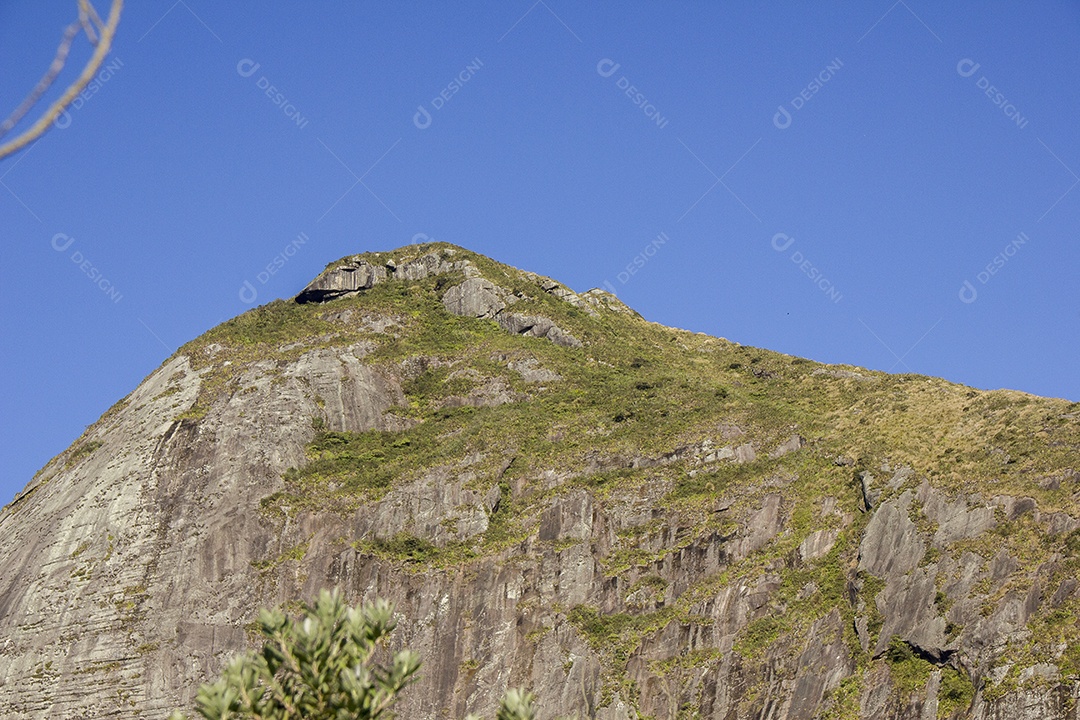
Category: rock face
[475,297]
[628,519]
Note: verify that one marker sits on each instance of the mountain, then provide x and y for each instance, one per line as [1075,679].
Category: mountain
[629,519]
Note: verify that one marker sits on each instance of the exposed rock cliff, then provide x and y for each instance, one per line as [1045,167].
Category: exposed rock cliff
[629,519]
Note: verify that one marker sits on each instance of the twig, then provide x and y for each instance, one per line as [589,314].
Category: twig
[85,6]
[87,26]
[46,80]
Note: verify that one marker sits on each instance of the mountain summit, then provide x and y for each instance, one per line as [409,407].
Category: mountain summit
[630,520]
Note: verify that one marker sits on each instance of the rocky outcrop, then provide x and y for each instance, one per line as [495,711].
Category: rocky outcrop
[822,666]
[795,442]
[342,280]
[358,274]
[473,297]
[536,326]
[892,546]
[476,297]
[955,519]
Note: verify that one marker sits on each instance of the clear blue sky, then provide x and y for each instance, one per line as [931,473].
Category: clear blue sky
[827,177]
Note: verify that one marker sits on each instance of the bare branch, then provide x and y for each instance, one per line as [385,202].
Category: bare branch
[45,82]
[108,31]
[87,9]
[93,13]
[84,21]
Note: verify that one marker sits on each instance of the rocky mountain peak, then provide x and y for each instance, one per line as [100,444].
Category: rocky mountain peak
[467,292]
[631,520]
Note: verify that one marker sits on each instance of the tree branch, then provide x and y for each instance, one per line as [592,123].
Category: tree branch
[108,31]
[46,80]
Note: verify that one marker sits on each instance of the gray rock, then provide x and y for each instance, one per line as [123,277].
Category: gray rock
[842,374]
[795,442]
[821,667]
[1002,566]
[531,372]
[907,605]
[1042,671]
[570,516]
[1065,590]
[745,453]
[1015,507]
[730,432]
[427,265]
[342,280]
[475,297]
[436,506]
[565,294]
[353,276]
[817,544]
[763,525]
[597,298]
[962,575]
[930,692]
[874,699]
[490,393]
[1059,522]
[955,520]
[862,632]
[537,326]
[891,545]
[900,477]
[1033,702]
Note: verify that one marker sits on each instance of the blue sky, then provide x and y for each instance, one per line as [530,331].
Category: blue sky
[890,185]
